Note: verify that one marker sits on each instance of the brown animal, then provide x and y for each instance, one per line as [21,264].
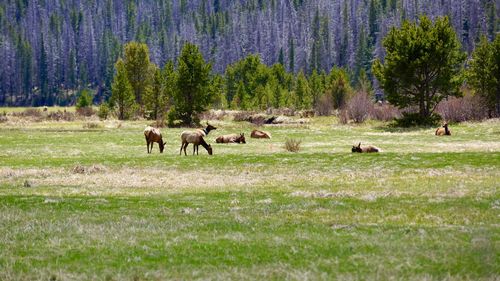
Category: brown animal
[257,134]
[366,149]
[443,131]
[196,138]
[232,138]
[153,135]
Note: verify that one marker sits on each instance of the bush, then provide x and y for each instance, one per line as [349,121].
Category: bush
[33,112]
[61,115]
[343,116]
[103,111]
[92,125]
[85,111]
[359,107]
[468,108]
[415,119]
[292,145]
[385,112]
[324,106]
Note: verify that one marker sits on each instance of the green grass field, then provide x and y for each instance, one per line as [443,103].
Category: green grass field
[90,204]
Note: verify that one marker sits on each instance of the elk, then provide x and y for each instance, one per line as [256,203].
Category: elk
[443,131]
[232,138]
[153,135]
[257,134]
[196,138]
[366,149]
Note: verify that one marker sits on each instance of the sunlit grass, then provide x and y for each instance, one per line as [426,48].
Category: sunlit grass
[80,204]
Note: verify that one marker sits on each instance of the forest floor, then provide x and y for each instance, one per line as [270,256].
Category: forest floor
[81,201]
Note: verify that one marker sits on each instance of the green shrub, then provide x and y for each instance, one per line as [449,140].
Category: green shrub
[416,119]
[292,145]
[103,111]
[84,99]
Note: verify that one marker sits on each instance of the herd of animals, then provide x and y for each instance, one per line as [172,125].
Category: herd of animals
[196,137]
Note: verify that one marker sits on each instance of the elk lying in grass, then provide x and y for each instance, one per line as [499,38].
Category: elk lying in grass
[443,131]
[232,138]
[153,135]
[366,149]
[257,134]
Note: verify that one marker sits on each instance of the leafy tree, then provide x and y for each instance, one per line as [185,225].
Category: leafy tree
[423,65]
[138,68]
[192,95]
[122,94]
[484,72]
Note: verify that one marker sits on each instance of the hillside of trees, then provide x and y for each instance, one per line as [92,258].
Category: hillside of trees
[51,48]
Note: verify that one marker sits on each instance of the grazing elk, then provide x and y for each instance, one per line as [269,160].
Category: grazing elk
[366,149]
[257,134]
[232,138]
[153,135]
[443,131]
[196,138]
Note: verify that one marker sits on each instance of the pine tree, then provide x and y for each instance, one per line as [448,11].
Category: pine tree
[373,21]
[339,87]
[303,92]
[192,95]
[291,54]
[423,65]
[122,95]
[484,72]
[316,43]
[155,98]
[281,57]
[43,79]
[138,68]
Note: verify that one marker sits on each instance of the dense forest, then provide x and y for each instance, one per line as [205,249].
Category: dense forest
[51,48]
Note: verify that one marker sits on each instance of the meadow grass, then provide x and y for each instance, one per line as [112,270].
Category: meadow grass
[80,204]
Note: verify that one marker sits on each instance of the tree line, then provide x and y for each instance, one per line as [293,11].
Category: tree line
[424,64]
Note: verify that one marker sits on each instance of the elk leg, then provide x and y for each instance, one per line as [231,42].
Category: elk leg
[183,146]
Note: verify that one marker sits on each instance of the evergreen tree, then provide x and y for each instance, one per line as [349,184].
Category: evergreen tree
[138,68]
[316,85]
[43,79]
[291,54]
[484,72]
[339,87]
[85,98]
[281,57]
[344,44]
[303,92]
[316,43]
[373,11]
[192,95]
[122,95]
[423,65]
[155,98]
